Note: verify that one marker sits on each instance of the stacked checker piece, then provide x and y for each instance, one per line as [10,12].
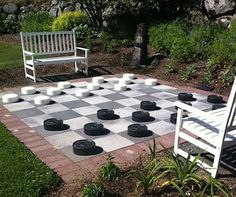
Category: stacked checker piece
[93,128]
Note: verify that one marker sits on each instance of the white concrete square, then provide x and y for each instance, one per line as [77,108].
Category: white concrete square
[128,102]
[64,98]
[164,87]
[164,103]
[64,139]
[161,114]
[36,120]
[163,95]
[80,84]
[48,109]
[161,127]
[86,110]
[113,142]
[117,126]
[133,93]
[77,123]
[103,92]
[96,100]
[124,112]
[18,106]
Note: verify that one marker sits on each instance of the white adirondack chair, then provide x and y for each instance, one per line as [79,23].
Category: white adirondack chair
[214,128]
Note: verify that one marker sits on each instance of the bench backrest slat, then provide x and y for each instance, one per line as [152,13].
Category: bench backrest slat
[49,42]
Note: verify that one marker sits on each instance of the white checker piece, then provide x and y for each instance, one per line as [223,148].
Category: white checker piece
[96,100]
[64,139]
[64,98]
[77,123]
[85,111]
[112,142]
[18,106]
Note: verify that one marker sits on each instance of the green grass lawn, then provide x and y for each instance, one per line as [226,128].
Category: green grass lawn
[10,56]
[21,173]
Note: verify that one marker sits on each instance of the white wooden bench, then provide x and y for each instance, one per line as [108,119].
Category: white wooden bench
[43,48]
[214,130]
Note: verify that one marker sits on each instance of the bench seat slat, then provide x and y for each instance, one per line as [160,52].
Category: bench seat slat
[64,59]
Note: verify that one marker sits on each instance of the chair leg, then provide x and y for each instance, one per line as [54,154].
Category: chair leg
[76,67]
[178,129]
[216,163]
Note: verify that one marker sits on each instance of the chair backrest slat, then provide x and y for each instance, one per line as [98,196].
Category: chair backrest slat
[49,42]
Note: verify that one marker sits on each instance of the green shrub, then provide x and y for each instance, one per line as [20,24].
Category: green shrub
[36,22]
[96,189]
[170,68]
[110,171]
[69,20]
[162,36]
[108,43]
[189,72]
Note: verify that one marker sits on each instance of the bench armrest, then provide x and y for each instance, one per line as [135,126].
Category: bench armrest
[81,48]
[29,53]
[196,111]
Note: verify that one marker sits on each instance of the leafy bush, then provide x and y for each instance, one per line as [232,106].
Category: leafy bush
[189,72]
[108,43]
[110,171]
[96,189]
[170,68]
[161,37]
[70,20]
[36,22]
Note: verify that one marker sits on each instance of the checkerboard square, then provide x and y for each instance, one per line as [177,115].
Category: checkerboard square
[75,104]
[77,123]
[136,86]
[164,103]
[103,92]
[63,139]
[107,86]
[115,96]
[162,114]
[201,105]
[48,109]
[18,106]
[109,105]
[132,93]
[117,126]
[148,90]
[64,98]
[112,80]
[124,112]
[28,113]
[163,95]
[128,102]
[96,100]
[45,133]
[36,120]
[113,142]
[80,84]
[88,110]
[30,97]
[146,98]
[65,115]
[164,88]
[161,127]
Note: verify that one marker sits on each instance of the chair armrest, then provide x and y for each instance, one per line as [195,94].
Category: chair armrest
[197,112]
[81,48]
[29,53]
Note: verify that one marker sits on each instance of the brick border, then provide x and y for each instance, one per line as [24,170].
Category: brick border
[65,167]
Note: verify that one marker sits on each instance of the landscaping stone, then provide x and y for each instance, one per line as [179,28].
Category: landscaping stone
[10,8]
[217,8]
[54,12]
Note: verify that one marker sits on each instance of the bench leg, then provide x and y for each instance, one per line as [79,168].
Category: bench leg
[76,67]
